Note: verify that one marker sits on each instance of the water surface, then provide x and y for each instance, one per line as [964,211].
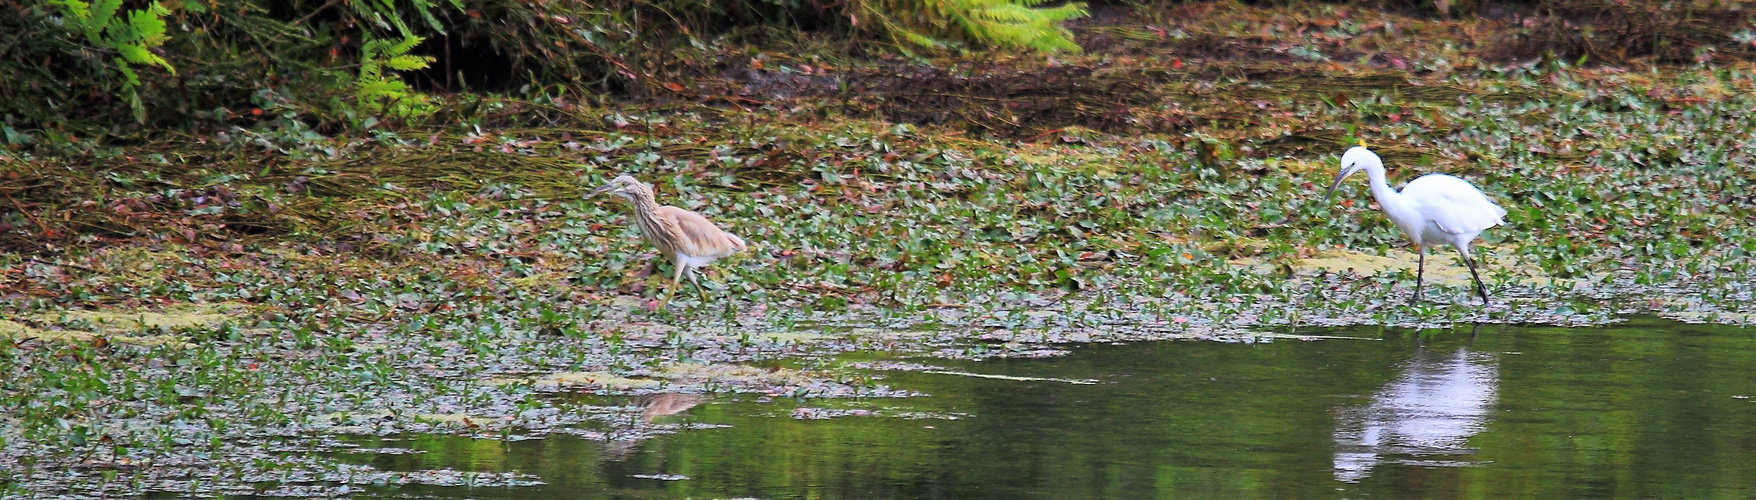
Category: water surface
[1645,409]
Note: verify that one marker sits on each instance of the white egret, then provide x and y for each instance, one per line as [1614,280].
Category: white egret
[1436,209]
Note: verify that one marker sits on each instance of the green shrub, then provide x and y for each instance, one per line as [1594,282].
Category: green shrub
[130,35]
[1017,24]
[69,61]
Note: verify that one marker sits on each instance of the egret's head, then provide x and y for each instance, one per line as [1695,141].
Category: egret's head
[623,185]
[1356,158]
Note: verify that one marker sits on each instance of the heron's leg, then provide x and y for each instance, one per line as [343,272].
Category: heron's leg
[1472,274]
[676,279]
[1420,270]
[694,277]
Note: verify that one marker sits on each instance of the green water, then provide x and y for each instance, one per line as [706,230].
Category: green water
[1645,409]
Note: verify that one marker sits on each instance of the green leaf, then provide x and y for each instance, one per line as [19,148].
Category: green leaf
[130,79]
[922,40]
[407,44]
[134,103]
[102,12]
[407,63]
[135,54]
[75,8]
[432,22]
[119,33]
[148,26]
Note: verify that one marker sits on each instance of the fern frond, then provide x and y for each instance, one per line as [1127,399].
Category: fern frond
[1007,13]
[377,92]
[408,63]
[148,27]
[102,11]
[74,8]
[922,40]
[129,79]
[407,44]
[1064,12]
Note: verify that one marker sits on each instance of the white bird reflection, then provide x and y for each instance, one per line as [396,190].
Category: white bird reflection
[1425,415]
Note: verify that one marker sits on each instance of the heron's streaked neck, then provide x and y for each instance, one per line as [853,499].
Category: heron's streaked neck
[645,212]
[642,200]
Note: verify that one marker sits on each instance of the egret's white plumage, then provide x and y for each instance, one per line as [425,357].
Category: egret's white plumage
[1436,209]
[687,239]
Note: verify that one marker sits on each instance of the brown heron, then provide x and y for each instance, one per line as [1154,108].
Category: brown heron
[687,239]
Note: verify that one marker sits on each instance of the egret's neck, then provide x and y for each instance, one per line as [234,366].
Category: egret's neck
[1382,191]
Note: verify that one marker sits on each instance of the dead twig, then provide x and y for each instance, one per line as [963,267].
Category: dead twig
[48,233]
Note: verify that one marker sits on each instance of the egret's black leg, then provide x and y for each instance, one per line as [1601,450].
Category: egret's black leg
[1420,270]
[1472,274]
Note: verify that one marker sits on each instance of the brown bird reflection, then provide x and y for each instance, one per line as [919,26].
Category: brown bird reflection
[669,403]
[621,442]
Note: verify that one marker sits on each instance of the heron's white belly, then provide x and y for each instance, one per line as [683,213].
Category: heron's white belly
[694,261]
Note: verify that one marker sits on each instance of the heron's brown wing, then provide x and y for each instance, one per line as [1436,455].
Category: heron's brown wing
[698,236]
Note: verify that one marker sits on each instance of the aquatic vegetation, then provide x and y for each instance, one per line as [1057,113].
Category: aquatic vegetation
[308,289]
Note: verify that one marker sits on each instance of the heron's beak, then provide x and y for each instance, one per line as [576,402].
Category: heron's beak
[602,189]
[1338,178]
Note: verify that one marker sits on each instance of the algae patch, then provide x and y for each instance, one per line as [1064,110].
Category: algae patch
[729,373]
[605,380]
[689,375]
[170,325]
[1444,267]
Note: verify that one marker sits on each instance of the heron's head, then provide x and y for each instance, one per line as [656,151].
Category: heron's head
[623,185]
[1356,158]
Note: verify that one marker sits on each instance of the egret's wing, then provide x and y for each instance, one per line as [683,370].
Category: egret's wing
[700,237]
[1453,204]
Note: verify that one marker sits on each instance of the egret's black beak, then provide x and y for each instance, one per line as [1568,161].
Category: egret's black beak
[602,189]
[1338,178]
